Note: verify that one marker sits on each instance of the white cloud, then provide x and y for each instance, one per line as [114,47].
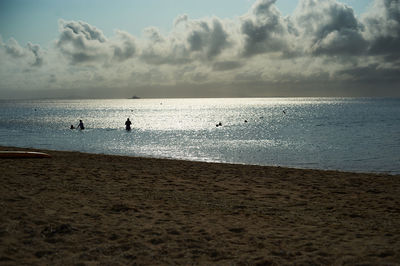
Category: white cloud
[13,49]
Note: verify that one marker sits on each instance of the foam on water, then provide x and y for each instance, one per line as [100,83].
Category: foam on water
[325,133]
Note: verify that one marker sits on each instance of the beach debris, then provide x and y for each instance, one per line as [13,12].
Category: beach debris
[23,154]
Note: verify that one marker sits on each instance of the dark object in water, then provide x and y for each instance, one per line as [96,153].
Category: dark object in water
[128,124]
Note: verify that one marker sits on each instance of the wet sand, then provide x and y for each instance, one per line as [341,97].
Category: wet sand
[85,209]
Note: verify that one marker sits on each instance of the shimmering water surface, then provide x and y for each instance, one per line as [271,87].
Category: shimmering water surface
[324,133]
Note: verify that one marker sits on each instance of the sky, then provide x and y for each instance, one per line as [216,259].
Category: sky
[184,48]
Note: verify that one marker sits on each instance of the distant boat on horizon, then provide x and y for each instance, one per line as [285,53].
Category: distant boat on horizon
[135,97]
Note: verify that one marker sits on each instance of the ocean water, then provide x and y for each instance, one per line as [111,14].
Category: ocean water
[349,134]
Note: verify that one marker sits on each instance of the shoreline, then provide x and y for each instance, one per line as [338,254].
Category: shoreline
[14,148]
[83,209]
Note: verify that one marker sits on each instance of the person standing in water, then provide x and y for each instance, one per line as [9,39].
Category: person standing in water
[81,126]
[128,124]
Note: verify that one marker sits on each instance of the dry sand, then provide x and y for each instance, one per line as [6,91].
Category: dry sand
[84,209]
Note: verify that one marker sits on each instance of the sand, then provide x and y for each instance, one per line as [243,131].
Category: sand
[85,209]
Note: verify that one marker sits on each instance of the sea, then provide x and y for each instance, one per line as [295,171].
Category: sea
[346,134]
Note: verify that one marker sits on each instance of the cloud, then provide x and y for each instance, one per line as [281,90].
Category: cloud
[264,29]
[329,27]
[207,37]
[182,18]
[374,73]
[13,49]
[159,50]
[30,55]
[323,47]
[190,40]
[83,43]
[125,47]
[226,65]
[170,52]
[35,49]
[383,28]
[154,35]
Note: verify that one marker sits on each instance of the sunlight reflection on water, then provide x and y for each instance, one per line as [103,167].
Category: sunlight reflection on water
[326,133]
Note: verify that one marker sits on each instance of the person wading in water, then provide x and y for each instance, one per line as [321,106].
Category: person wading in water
[81,126]
[128,124]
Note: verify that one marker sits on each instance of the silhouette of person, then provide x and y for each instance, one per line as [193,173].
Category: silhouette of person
[81,126]
[72,127]
[128,124]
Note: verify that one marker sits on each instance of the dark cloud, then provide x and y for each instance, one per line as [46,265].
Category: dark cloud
[209,38]
[178,54]
[264,29]
[226,65]
[79,32]
[383,28]
[17,52]
[161,50]
[126,48]
[192,40]
[199,77]
[329,27]
[371,73]
[81,42]
[52,78]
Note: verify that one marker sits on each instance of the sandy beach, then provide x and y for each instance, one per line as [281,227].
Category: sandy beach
[85,209]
